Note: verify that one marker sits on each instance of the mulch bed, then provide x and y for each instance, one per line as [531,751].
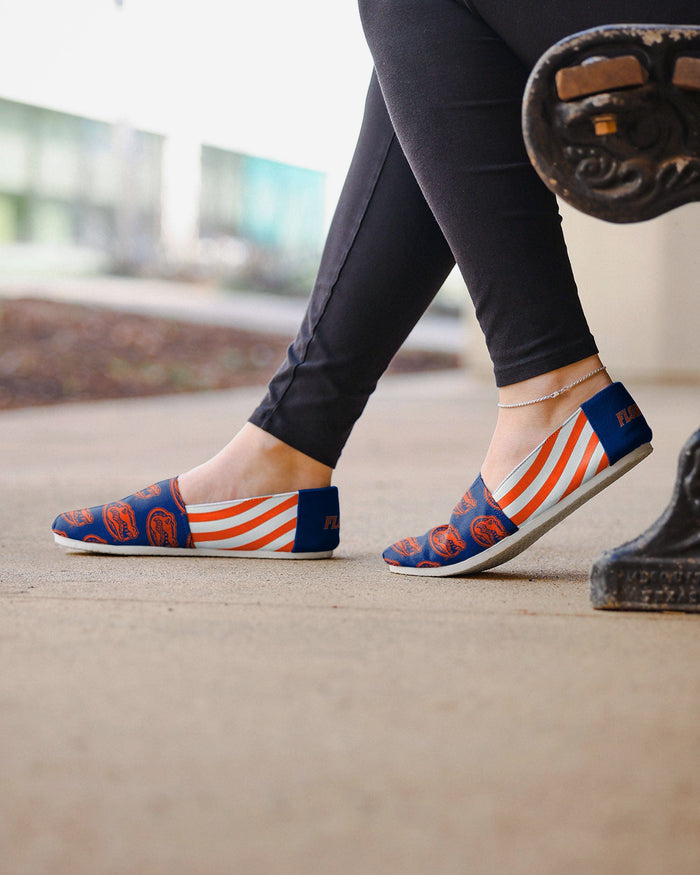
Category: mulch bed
[52,352]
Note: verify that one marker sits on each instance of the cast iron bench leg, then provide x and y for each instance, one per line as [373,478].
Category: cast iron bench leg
[611,120]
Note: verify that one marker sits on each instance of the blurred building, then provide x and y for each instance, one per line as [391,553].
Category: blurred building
[77,183]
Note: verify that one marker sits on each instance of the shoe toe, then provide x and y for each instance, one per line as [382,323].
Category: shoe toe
[153,517]
[75,524]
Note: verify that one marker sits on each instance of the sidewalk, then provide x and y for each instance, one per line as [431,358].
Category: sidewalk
[223,716]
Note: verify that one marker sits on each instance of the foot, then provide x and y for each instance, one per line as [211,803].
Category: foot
[520,429]
[254,463]
[258,498]
[560,468]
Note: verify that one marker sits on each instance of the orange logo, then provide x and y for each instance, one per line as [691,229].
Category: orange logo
[628,414]
[466,503]
[175,492]
[148,492]
[120,521]
[427,564]
[94,539]
[446,541]
[407,547]
[487,530]
[490,499]
[332,522]
[79,517]
[161,526]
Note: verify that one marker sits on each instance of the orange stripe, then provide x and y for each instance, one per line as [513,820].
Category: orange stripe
[555,474]
[531,472]
[247,527]
[261,542]
[210,516]
[286,549]
[577,479]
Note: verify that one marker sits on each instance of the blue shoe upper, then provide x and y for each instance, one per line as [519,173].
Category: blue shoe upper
[154,517]
[318,520]
[476,523]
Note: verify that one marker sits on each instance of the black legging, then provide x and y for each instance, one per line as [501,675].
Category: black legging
[440,174]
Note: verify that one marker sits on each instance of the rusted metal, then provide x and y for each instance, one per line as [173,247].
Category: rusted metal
[650,162]
[605,124]
[687,74]
[599,74]
[659,570]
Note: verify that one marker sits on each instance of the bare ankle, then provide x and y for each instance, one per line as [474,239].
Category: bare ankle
[253,463]
[523,425]
[557,390]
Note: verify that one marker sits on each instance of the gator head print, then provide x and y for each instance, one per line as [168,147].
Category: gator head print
[446,541]
[161,526]
[79,517]
[175,492]
[466,503]
[407,547]
[148,492]
[487,530]
[120,521]
[490,499]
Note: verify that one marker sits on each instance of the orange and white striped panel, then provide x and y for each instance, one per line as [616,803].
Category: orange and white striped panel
[570,456]
[266,523]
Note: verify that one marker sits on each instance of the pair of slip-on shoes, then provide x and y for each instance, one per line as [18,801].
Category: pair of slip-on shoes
[604,438]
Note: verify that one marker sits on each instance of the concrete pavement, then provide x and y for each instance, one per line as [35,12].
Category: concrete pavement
[237,716]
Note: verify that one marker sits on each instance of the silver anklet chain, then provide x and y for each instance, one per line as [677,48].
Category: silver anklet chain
[558,391]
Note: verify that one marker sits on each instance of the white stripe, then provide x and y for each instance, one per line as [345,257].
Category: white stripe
[517,474]
[524,498]
[254,533]
[235,519]
[230,544]
[225,505]
[596,458]
[567,475]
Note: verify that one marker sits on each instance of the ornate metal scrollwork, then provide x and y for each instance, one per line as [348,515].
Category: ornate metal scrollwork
[618,146]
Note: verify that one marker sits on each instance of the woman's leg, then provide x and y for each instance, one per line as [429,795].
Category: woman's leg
[384,261]
[453,83]
[453,89]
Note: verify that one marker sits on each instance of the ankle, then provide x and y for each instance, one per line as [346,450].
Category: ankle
[520,429]
[253,463]
[268,460]
[557,390]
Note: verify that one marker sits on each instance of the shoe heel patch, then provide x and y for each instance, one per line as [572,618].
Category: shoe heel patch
[617,421]
[318,520]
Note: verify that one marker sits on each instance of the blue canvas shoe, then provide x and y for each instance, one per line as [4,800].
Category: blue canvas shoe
[598,443]
[156,522]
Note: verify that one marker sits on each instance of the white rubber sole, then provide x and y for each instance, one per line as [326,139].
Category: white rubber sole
[530,531]
[192,552]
